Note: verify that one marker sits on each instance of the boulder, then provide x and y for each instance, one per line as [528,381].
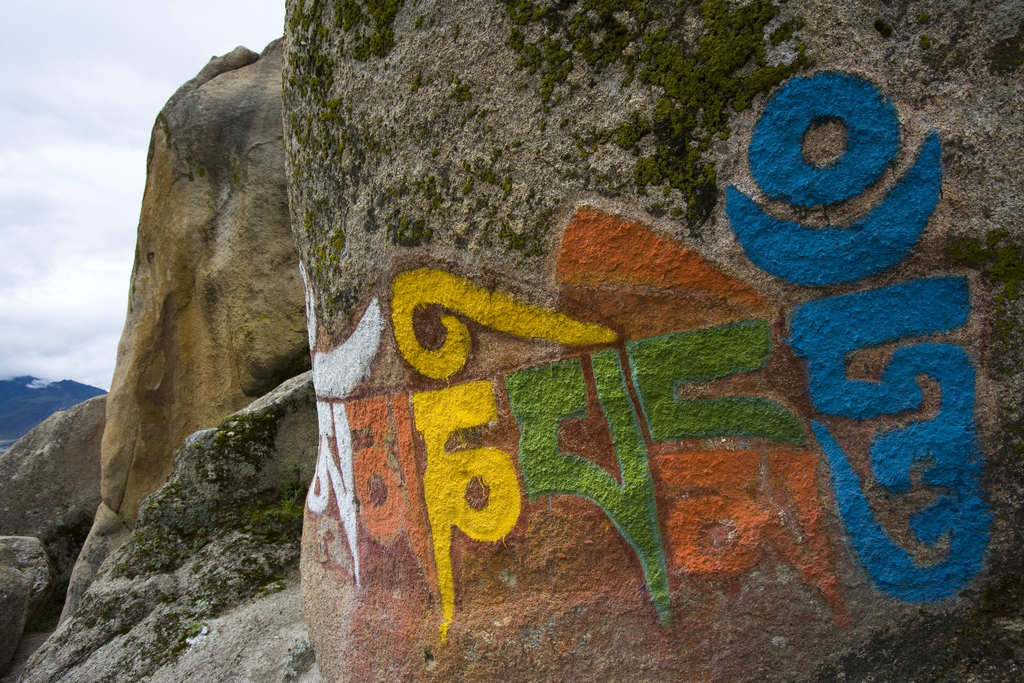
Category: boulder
[264,641]
[29,643]
[208,575]
[50,484]
[215,314]
[661,340]
[26,580]
[106,535]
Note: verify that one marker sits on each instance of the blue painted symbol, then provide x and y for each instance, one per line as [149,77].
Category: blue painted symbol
[941,449]
[826,331]
[776,147]
[832,255]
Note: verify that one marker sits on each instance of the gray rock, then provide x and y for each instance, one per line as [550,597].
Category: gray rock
[15,590]
[236,59]
[29,643]
[50,482]
[220,536]
[222,649]
[215,314]
[26,580]
[107,534]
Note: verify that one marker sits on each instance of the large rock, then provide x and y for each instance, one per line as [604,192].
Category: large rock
[107,533]
[26,581]
[29,643]
[660,340]
[215,314]
[208,575]
[50,483]
[264,641]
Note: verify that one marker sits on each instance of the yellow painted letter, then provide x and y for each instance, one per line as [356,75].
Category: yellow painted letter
[439,414]
[416,288]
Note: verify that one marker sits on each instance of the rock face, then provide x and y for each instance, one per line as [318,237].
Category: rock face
[661,340]
[107,533]
[50,482]
[264,642]
[215,308]
[208,576]
[26,581]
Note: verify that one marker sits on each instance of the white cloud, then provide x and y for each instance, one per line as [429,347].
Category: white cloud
[83,83]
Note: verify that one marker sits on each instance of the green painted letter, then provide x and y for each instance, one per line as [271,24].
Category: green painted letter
[541,399]
[660,364]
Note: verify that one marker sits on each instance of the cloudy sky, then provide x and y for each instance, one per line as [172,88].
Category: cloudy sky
[82,83]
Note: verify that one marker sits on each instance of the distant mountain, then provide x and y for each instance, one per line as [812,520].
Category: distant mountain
[27,401]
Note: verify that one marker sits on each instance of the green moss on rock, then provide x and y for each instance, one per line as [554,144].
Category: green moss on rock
[222,530]
[700,84]
[409,232]
[205,502]
[999,258]
[407,165]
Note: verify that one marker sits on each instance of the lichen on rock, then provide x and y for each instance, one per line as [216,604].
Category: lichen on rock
[433,153]
[222,531]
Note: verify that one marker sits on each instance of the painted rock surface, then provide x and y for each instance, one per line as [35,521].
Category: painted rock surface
[658,342]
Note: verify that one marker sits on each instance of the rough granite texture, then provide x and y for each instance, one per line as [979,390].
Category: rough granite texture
[569,156]
[26,582]
[107,533]
[215,304]
[264,641]
[213,556]
[50,482]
